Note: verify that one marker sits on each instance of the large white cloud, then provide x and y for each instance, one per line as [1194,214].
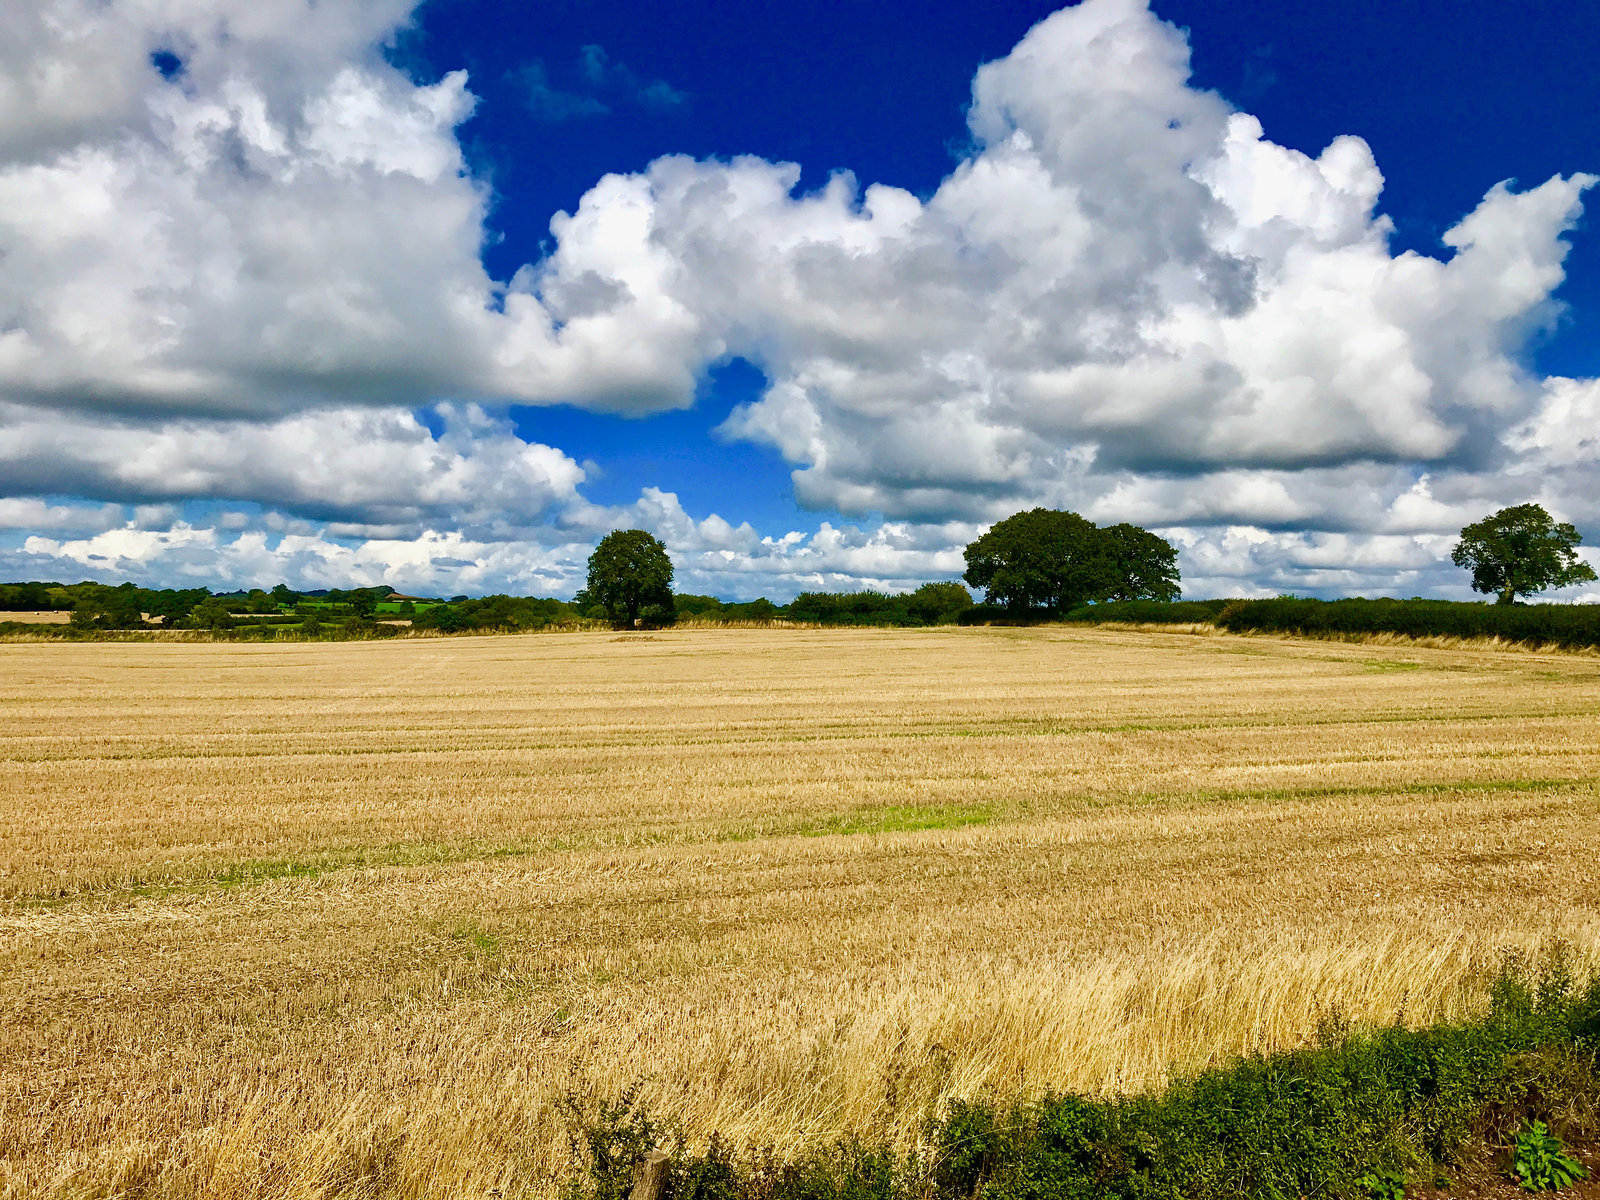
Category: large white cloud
[234,283]
[1121,275]
[355,466]
[286,222]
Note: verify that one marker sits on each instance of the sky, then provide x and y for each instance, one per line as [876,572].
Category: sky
[356,292]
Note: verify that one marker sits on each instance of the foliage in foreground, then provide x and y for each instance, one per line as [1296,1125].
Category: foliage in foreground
[1359,1112]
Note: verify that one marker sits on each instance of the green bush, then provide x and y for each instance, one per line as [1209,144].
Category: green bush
[930,604]
[1345,1118]
[495,612]
[710,608]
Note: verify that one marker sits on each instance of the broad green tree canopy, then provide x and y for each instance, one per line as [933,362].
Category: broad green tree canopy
[630,576]
[1051,561]
[1519,551]
[1142,566]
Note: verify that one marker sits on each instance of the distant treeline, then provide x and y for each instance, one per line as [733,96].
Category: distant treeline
[101,606]
[379,612]
[930,604]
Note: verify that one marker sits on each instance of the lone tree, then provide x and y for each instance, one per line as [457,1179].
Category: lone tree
[1519,551]
[1050,561]
[630,578]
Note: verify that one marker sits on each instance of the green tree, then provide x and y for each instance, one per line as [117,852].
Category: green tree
[209,614]
[1142,565]
[1046,561]
[23,597]
[630,578]
[938,603]
[1041,560]
[446,618]
[101,607]
[1519,551]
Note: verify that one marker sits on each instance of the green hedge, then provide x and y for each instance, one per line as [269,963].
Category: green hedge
[1561,624]
[1302,1123]
[1134,612]
[1150,612]
[1571,625]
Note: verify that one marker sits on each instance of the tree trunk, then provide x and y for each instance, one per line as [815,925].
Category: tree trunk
[1508,595]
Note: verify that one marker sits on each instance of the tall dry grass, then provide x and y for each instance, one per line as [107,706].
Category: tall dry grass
[352,919]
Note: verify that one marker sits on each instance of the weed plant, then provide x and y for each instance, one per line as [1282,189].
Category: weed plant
[1541,1161]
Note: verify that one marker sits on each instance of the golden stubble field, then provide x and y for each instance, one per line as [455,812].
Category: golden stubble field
[320,919]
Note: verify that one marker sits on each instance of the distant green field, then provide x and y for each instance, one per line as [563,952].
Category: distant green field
[384,606]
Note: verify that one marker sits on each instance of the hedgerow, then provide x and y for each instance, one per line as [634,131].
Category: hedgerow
[1572,625]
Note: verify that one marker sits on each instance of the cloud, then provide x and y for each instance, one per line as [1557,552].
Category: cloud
[601,71]
[357,466]
[31,513]
[603,85]
[549,103]
[238,272]
[1123,275]
[285,223]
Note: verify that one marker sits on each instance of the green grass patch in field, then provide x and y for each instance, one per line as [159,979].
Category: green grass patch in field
[893,819]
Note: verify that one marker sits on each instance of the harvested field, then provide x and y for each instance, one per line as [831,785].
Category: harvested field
[43,617]
[291,919]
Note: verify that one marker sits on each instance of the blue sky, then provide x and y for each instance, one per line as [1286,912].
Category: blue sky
[435,295]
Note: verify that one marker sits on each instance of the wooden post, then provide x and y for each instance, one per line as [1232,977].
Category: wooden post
[652,1173]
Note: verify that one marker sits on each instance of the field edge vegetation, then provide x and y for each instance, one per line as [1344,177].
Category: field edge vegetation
[1361,1113]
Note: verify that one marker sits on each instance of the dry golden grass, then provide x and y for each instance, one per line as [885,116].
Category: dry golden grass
[307,920]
